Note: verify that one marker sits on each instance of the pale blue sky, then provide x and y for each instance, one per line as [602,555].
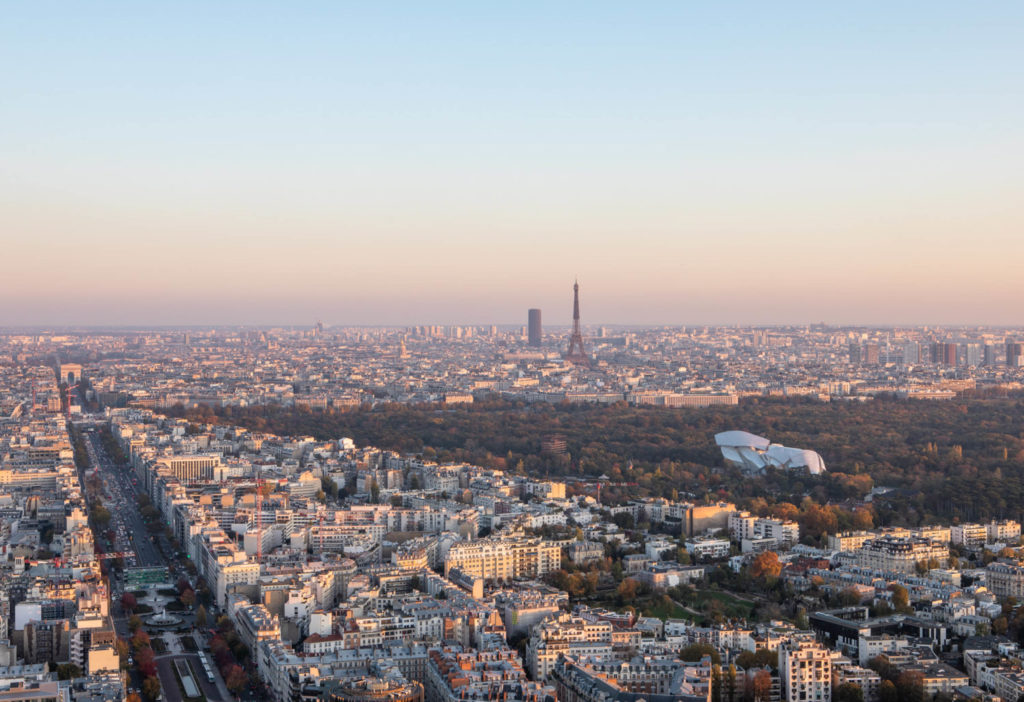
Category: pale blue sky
[245,162]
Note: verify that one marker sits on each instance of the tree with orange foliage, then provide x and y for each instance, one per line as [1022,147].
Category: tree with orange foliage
[863,519]
[817,520]
[786,510]
[765,566]
[236,679]
[759,687]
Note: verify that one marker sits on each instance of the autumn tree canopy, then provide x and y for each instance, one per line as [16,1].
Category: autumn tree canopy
[765,566]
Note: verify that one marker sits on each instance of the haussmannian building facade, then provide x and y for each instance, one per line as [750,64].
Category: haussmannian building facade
[901,554]
[1005,579]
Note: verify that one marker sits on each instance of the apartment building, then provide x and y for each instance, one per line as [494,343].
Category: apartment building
[972,536]
[1006,531]
[565,635]
[641,678]
[504,558]
[582,552]
[805,670]
[1005,579]
[189,467]
[780,533]
[866,679]
[849,540]
[224,565]
[900,554]
[453,675]
[708,547]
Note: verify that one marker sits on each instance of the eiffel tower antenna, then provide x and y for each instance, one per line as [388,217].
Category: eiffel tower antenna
[575,354]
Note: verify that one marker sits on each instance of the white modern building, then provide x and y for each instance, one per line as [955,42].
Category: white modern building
[755,453]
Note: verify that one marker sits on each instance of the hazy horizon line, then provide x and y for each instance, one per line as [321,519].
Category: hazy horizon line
[501,325]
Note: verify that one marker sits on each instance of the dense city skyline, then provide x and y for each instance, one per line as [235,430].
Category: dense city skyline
[534,352]
[332,514]
[199,164]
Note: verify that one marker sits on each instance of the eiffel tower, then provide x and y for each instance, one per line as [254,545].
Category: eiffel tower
[576,355]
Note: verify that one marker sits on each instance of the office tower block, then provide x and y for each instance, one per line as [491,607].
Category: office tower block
[870,355]
[855,354]
[535,329]
[1014,350]
[944,353]
[911,353]
[972,355]
[989,355]
[949,353]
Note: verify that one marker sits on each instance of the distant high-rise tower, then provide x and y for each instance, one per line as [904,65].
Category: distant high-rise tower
[856,353]
[870,355]
[911,353]
[1014,350]
[536,331]
[945,353]
[972,354]
[576,354]
[989,355]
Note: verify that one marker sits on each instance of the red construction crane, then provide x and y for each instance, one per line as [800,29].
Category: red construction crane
[67,407]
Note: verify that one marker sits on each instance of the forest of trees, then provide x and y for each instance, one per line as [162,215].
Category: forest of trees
[959,459]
